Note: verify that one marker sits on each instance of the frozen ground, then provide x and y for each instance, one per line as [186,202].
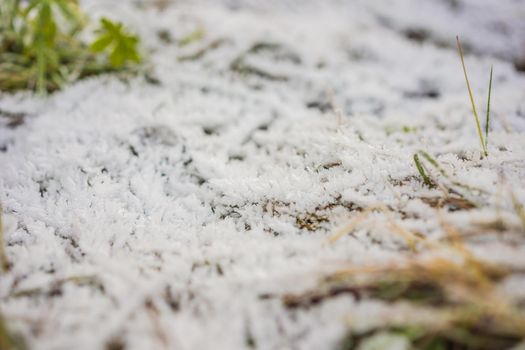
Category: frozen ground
[172,211]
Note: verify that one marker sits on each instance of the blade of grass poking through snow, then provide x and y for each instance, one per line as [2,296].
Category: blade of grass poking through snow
[196,35]
[478,125]
[421,171]
[442,171]
[434,163]
[487,120]
[454,185]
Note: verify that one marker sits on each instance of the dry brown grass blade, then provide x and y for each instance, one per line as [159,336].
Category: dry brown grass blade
[458,287]
[358,219]
[55,287]
[470,301]
[410,238]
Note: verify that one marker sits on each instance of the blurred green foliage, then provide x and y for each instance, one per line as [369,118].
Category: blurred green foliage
[40,47]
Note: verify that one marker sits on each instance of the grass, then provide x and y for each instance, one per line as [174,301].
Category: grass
[41,49]
[460,294]
[463,307]
[194,36]
[458,297]
[421,170]
[455,192]
[483,142]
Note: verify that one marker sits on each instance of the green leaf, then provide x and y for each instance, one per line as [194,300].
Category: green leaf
[108,25]
[120,45]
[118,56]
[44,26]
[43,50]
[101,43]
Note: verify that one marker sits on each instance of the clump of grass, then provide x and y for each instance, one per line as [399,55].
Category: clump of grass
[483,140]
[425,338]
[40,47]
[456,302]
[448,185]
[466,311]
[462,306]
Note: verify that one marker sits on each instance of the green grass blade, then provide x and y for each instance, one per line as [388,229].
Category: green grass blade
[471,98]
[434,163]
[192,37]
[421,170]
[487,121]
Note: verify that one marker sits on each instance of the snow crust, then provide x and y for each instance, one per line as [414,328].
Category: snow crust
[185,196]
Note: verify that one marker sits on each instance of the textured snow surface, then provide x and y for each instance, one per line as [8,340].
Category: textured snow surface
[156,212]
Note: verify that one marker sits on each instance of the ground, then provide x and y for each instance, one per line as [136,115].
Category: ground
[199,203]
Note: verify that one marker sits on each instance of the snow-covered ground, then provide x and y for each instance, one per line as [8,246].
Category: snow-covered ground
[171,211]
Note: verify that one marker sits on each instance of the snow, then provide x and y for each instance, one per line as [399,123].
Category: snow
[183,199]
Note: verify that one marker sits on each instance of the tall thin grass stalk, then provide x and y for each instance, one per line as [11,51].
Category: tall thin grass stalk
[487,120]
[474,110]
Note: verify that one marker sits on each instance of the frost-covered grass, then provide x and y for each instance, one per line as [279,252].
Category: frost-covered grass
[257,187]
